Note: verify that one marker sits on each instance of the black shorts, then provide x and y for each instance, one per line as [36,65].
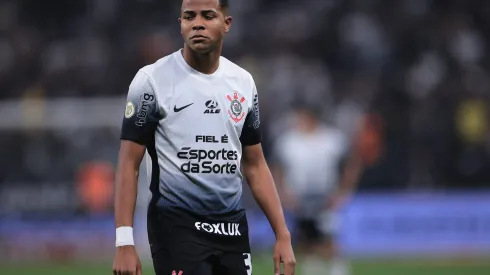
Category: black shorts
[309,232]
[188,244]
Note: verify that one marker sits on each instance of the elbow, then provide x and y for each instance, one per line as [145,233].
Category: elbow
[127,170]
[250,172]
[253,172]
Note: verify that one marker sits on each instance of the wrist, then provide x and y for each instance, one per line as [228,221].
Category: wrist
[124,236]
[283,234]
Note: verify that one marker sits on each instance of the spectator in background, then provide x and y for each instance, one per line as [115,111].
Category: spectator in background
[309,157]
[95,186]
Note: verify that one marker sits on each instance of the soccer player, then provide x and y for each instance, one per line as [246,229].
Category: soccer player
[309,158]
[196,115]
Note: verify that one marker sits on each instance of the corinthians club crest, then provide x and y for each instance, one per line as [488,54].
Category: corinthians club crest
[236,109]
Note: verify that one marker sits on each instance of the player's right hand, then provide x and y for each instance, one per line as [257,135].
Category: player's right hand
[126,261]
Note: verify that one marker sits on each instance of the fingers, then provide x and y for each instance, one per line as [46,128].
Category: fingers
[127,271]
[126,262]
[289,265]
[277,264]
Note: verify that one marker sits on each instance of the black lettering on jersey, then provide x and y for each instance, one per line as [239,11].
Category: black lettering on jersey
[256,122]
[143,108]
[148,97]
[212,107]
[189,167]
[230,155]
[208,167]
[206,139]
[201,154]
[194,154]
[203,161]
[251,134]
[183,153]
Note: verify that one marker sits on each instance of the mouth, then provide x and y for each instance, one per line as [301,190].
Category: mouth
[198,37]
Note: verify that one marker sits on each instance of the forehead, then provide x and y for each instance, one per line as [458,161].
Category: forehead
[196,5]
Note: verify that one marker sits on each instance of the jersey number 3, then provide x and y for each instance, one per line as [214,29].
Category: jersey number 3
[248,263]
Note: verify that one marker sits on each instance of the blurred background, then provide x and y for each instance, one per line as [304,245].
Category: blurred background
[406,81]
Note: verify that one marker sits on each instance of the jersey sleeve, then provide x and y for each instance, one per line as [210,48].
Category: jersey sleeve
[251,133]
[142,113]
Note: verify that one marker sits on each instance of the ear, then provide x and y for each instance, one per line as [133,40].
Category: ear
[228,20]
[180,23]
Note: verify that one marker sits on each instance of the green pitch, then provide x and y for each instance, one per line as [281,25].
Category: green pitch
[264,266]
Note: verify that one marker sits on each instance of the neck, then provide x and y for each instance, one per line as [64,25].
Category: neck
[206,63]
[309,129]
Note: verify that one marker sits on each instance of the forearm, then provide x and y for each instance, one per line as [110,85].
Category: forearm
[125,196]
[265,193]
[351,175]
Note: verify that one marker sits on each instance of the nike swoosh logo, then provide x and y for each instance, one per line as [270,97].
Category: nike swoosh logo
[181,108]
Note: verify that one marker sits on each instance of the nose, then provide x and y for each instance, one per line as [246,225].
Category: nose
[198,26]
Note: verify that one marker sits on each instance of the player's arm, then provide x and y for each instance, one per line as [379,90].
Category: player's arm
[350,173]
[263,188]
[264,191]
[259,178]
[129,160]
[138,129]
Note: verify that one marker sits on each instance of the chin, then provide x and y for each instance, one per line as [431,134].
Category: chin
[201,48]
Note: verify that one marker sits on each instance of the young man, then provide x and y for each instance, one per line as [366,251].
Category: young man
[309,157]
[196,114]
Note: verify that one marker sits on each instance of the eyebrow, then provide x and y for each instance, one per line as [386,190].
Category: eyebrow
[202,11]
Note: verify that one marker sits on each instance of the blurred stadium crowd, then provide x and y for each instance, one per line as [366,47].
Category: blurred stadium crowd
[407,80]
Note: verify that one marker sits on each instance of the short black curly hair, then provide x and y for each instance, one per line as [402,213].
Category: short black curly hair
[224,4]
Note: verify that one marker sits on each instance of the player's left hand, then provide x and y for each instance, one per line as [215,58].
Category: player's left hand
[283,253]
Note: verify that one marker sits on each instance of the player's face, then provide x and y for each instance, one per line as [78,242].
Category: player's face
[304,120]
[203,24]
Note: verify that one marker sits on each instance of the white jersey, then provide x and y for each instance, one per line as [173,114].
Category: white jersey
[194,126]
[311,161]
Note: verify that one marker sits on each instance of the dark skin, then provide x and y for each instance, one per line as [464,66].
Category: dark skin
[203,26]
[264,191]
[126,261]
